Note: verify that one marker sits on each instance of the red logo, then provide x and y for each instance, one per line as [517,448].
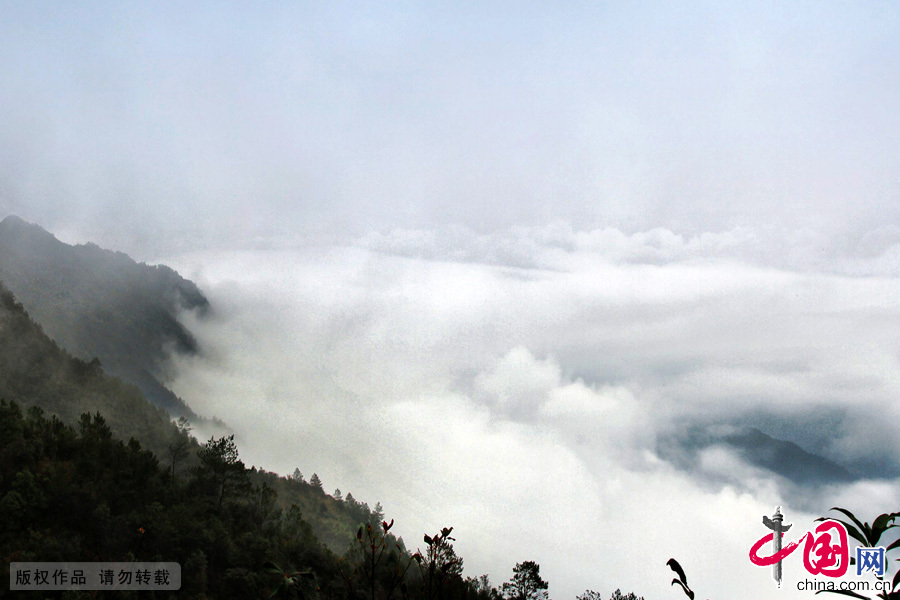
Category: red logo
[826,551]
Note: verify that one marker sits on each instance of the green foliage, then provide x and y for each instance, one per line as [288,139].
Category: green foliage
[440,567]
[335,523]
[618,595]
[480,588]
[80,494]
[180,445]
[68,494]
[34,371]
[377,567]
[869,536]
[526,583]
[290,585]
[72,494]
[221,471]
[72,490]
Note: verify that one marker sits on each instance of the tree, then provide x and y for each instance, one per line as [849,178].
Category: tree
[526,583]
[618,595]
[482,589]
[378,549]
[589,595]
[315,481]
[219,461]
[179,447]
[441,568]
[297,476]
[337,494]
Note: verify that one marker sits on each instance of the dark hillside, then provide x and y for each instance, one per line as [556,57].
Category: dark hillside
[35,371]
[43,379]
[79,494]
[333,520]
[98,303]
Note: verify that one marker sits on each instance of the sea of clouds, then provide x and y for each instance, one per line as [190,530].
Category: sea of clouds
[516,386]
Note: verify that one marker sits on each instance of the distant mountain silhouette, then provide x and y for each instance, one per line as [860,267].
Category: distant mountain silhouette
[99,303]
[759,449]
[785,458]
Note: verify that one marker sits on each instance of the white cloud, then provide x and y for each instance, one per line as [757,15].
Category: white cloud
[519,383]
[522,405]
[595,222]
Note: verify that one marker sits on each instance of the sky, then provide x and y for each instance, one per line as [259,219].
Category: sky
[477,261]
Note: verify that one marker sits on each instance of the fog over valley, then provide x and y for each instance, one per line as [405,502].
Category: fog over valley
[480,395]
[597,286]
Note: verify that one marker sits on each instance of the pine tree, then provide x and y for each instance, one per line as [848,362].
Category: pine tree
[526,583]
[180,445]
[315,481]
[220,464]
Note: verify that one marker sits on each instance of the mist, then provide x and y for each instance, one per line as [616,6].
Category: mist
[480,261]
[146,128]
[523,405]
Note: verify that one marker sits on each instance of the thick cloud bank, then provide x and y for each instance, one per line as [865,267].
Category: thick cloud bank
[561,393]
[517,388]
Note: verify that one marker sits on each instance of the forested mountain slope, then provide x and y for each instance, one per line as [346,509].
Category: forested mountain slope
[72,489]
[92,471]
[98,303]
[35,371]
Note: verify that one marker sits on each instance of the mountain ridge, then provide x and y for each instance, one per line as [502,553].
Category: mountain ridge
[101,303]
[90,470]
[36,372]
[781,457]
